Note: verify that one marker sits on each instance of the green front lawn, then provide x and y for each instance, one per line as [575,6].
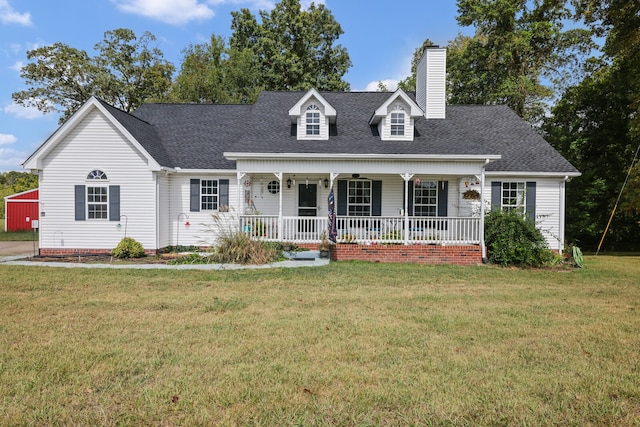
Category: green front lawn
[347,344]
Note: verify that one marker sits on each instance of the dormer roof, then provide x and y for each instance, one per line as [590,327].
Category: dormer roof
[382,111]
[296,110]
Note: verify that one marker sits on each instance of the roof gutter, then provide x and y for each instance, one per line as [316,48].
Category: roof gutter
[565,175]
[349,156]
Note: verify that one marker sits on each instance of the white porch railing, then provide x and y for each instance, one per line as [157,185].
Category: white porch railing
[441,230]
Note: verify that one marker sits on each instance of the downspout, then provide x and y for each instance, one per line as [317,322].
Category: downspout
[561,225]
[482,203]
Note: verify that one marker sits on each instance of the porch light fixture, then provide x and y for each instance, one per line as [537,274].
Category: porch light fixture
[326,183]
[355,175]
[289,183]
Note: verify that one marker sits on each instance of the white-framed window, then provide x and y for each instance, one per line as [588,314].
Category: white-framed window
[209,194]
[97,202]
[312,118]
[97,195]
[397,121]
[425,198]
[359,197]
[514,196]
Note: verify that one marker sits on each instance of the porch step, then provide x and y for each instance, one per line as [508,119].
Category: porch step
[303,256]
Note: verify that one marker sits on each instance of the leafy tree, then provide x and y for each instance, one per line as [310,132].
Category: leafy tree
[517,43]
[290,49]
[596,126]
[125,72]
[213,73]
[296,49]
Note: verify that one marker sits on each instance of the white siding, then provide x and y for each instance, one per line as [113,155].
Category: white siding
[198,233]
[548,215]
[164,210]
[392,194]
[96,144]
[431,83]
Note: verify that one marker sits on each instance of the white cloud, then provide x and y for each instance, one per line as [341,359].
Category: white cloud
[391,85]
[21,112]
[173,12]
[11,159]
[8,15]
[17,66]
[6,139]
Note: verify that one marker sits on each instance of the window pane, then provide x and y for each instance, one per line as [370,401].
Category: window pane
[425,202]
[359,198]
[513,196]
[209,194]
[313,123]
[97,206]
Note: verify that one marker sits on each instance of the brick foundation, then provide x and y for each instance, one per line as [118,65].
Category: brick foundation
[421,254]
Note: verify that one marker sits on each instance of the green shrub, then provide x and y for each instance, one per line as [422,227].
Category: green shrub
[514,240]
[128,248]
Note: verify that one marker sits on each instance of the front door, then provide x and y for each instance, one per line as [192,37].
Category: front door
[307,206]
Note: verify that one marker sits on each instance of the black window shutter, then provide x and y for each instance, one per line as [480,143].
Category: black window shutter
[531,200]
[80,204]
[223,190]
[342,197]
[376,198]
[411,198]
[194,198]
[114,203]
[496,195]
[443,197]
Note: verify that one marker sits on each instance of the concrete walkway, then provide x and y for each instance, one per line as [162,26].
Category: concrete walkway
[18,248]
[14,253]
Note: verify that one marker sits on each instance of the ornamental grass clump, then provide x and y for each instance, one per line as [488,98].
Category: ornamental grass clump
[128,248]
[514,241]
[235,246]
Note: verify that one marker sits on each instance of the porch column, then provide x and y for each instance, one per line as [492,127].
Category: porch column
[279,176]
[240,195]
[482,246]
[406,177]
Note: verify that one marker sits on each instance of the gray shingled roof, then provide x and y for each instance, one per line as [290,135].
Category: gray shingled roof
[469,129]
[194,136]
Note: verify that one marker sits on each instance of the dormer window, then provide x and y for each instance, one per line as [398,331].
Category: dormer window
[312,116]
[395,118]
[313,120]
[397,121]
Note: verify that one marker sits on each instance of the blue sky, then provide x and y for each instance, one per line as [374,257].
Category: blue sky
[380,37]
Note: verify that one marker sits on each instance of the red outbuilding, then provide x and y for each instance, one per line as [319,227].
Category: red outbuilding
[21,211]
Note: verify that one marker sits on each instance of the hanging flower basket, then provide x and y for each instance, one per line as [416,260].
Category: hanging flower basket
[471,195]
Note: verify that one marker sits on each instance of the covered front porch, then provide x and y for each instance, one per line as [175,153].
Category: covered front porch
[390,200]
